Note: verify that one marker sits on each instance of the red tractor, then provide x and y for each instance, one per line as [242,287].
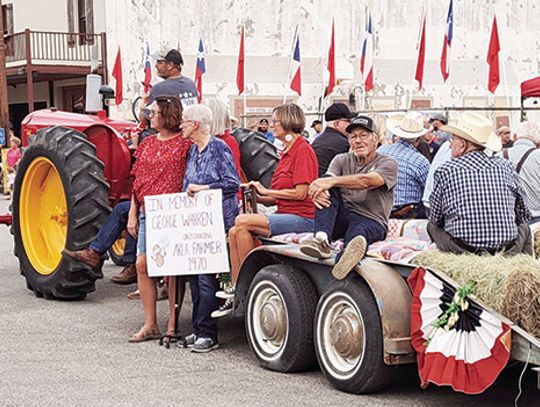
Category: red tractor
[74,169]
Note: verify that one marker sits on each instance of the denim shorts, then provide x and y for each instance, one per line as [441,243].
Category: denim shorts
[141,235]
[281,223]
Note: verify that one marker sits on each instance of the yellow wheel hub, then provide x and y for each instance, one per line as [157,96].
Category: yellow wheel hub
[43,215]
[118,247]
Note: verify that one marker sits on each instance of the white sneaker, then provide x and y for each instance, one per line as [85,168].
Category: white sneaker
[226,293]
[353,253]
[225,309]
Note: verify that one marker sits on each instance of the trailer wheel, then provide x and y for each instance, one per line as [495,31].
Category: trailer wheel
[59,200]
[280,310]
[349,339]
[116,252]
[257,155]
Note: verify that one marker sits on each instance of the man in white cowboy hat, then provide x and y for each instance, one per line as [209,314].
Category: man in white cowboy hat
[413,167]
[478,202]
[353,200]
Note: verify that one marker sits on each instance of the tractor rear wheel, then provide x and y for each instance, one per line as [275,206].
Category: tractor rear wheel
[59,201]
[258,156]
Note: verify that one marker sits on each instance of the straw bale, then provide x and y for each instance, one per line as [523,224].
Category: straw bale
[510,285]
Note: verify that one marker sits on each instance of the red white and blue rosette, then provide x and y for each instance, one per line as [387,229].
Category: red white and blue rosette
[470,355]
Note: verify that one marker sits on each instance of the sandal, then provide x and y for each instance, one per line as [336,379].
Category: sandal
[142,336]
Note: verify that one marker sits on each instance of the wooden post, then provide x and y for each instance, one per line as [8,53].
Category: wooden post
[4,106]
[29,77]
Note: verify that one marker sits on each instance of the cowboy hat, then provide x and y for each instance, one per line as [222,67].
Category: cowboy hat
[408,126]
[475,128]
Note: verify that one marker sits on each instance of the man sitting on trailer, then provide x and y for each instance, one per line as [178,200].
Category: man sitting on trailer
[353,199]
[478,202]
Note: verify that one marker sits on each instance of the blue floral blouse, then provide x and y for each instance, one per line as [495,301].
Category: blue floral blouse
[214,166]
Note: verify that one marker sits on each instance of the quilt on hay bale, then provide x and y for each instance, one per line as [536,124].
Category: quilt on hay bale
[510,285]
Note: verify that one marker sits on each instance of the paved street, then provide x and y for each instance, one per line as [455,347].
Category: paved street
[76,353]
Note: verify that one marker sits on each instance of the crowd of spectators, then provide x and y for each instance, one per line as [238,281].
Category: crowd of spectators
[357,173]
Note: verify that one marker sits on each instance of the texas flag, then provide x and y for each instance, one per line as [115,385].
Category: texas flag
[295,71]
[366,63]
[147,70]
[493,58]
[200,70]
[448,35]
[331,66]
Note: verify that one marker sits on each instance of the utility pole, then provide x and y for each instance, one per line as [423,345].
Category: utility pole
[4,106]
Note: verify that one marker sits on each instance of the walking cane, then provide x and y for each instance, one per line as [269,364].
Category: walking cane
[179,292]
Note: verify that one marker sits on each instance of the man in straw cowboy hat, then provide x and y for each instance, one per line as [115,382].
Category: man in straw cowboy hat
[478,202]
[353,200]
[413,167]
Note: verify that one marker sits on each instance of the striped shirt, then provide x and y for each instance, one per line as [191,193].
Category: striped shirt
[479,199]
[530,172]
[413,170]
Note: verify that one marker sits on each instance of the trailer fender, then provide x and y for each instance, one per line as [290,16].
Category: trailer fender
[393,298]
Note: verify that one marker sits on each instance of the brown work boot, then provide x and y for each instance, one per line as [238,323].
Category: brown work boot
[87,256]
[128,275]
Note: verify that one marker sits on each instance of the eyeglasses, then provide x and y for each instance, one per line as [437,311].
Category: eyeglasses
[154,113]
[361,136]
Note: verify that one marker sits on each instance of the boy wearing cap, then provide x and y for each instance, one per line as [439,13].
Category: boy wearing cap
[353,200]
[333,140]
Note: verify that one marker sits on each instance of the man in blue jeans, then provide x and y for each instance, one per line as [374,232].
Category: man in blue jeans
[110,231]
[353,199]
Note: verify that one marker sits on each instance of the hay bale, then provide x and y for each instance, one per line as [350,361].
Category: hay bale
[510,285]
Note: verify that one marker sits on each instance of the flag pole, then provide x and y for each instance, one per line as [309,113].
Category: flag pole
[290,63]
[409,103]
[505,78]
[245,77]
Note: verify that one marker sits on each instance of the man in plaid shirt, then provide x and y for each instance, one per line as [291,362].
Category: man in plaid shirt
[413,167]
[478,202]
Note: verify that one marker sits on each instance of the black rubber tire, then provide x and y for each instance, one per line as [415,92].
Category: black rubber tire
[370,374]
[258,156]
[86,190]
[136,108]
[299,299]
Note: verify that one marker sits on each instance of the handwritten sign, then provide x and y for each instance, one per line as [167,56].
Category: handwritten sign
[185,235]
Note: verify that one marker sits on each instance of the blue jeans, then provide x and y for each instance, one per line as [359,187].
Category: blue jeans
[281,223]
[337,222]
[203,296]
[112,229]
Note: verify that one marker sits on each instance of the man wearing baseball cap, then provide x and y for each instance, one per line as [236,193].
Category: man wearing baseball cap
[333,140]
[353,200]
[169,67]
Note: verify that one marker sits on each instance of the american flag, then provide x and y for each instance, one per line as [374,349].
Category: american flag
[448,35]
[366,63]
[295,75]
[200,70]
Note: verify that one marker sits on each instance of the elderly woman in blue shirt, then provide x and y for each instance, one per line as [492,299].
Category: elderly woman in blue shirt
[210,165]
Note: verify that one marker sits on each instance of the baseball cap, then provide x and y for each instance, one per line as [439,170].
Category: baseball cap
[263,121]
[337,111]
[315,122]
[171,55]
[438,116]
[364,122]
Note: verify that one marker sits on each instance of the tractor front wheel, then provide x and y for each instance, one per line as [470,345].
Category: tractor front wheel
[59,201]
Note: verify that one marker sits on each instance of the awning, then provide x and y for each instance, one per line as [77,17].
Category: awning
[530,88]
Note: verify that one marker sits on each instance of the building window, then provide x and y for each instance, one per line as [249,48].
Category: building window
[81,21]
